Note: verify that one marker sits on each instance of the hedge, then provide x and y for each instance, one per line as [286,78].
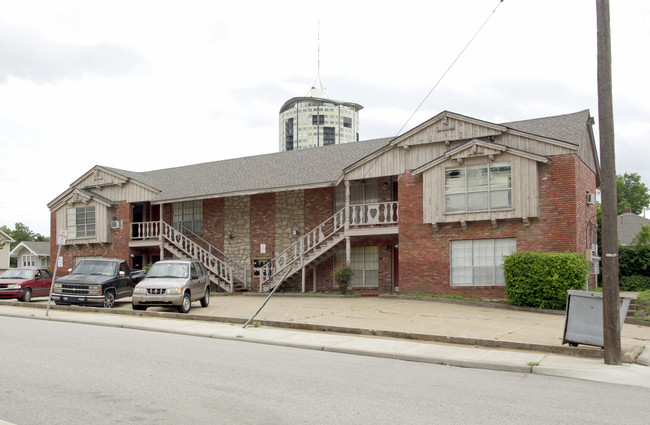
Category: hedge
[634,283]
[542,279]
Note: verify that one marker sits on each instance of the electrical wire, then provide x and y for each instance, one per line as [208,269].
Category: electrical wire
[449,68]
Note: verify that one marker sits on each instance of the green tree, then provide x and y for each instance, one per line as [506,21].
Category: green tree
[21,233]
[632,193]
[642,238]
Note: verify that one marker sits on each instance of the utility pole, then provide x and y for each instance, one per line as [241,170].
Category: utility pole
[611,307]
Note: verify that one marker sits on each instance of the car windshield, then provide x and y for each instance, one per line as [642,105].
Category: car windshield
[98,268]
[16,274]
[169,270]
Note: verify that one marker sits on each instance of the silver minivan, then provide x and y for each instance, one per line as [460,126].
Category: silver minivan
[174,283]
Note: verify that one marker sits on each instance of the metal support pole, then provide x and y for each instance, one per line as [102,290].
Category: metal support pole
[56,264]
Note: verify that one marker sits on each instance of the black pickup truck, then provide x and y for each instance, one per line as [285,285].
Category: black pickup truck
[96,281]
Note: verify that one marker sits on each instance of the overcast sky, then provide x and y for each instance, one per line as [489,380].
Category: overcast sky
[145,85]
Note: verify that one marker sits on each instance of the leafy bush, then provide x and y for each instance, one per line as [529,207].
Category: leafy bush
[633,261]
[343,276]
[542,279]
[634,283]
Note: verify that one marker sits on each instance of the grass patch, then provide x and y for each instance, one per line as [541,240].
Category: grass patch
[643,306]
[447,297]
[320,293]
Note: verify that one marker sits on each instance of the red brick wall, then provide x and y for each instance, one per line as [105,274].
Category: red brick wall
[424,253]
[319,206]
[262,225]
[214,222]
[119,248]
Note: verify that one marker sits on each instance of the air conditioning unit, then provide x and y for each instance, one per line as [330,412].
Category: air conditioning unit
[591,198]
[116,224]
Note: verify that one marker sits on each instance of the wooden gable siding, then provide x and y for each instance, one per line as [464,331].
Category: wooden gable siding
[129,192]
[103,216]
[448,128]
[525,192]
[589,156]
[396,160]
[115,188]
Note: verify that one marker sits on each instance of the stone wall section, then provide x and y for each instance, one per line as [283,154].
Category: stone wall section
[289,217]
[237,228]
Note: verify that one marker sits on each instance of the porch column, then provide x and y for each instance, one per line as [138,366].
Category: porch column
[160,233]
[347,223]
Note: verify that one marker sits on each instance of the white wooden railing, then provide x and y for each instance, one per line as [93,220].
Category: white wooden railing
[227,270]
[311,245]
[295,255]
[373,214]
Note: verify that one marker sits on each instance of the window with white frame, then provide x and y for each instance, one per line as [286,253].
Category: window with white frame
[364,262]
[80,222]
[188,216]
[484,187]
[479,262]
[360,193]
[28,260]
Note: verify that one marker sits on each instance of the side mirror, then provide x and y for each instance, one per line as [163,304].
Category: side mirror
[122,273]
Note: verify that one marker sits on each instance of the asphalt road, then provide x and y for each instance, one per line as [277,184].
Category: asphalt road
[63,373]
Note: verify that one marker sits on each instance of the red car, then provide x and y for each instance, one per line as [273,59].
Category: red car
[23,283]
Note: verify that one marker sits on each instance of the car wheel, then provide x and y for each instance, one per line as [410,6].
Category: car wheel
[205,301]
[109,299]
[27,296]
[186,304]
[139,307]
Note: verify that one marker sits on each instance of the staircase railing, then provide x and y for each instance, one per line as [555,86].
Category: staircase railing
[305,247]
[226,271]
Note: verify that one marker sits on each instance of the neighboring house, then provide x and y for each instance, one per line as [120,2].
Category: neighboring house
[5,249]
[32,254]
[431,211]
[629,224]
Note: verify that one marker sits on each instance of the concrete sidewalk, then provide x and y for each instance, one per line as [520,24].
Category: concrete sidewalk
[491,337]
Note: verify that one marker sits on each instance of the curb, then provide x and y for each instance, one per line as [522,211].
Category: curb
[588,352]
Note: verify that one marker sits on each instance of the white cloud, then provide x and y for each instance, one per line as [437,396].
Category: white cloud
[153,84]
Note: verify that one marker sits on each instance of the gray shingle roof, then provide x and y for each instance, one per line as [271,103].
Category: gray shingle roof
[39,248]
[568,128]
[628,226]
[312,167]
[271,172]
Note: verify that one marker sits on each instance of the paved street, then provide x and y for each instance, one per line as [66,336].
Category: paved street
[82,374]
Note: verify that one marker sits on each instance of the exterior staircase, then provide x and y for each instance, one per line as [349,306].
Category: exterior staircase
[303,252]
[226,273]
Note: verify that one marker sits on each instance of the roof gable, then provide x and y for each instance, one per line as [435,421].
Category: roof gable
[478,148]
[448,126]
[5,237]
[40,249]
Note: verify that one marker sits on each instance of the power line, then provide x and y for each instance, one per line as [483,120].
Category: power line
[449,68]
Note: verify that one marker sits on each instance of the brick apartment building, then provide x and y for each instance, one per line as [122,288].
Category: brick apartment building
[431,211]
